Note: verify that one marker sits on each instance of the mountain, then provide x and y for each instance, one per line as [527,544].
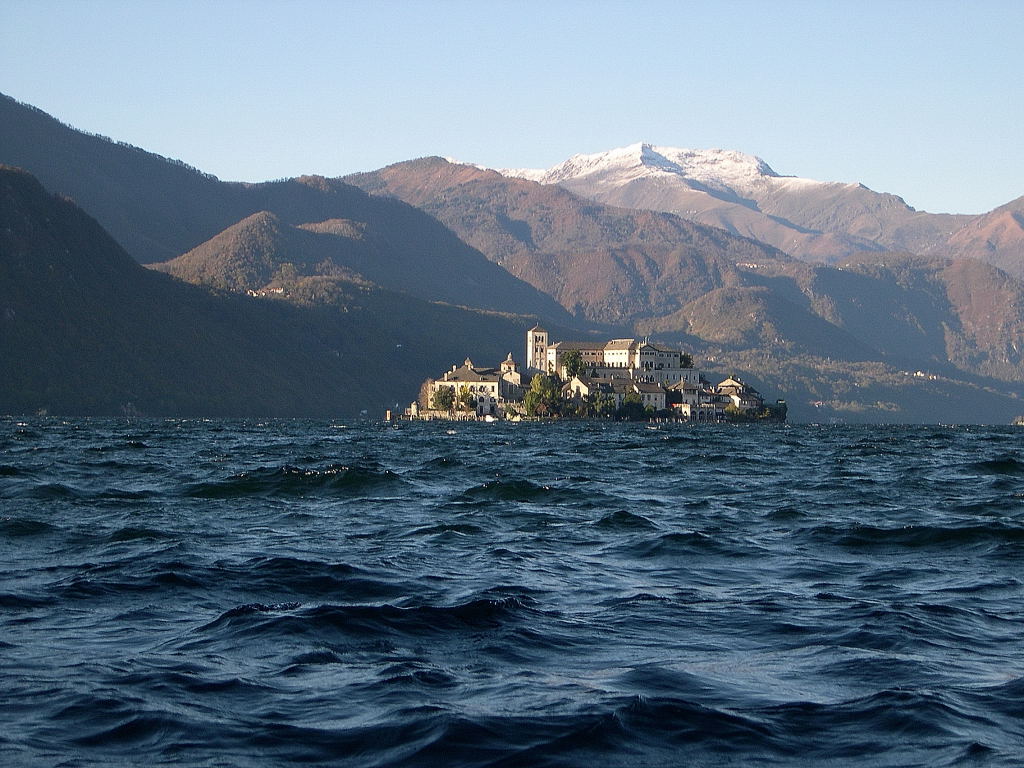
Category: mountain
[346,317]
[996,237]
[86,330]
[660,274]
[604,264]
[158,209]
[876,314]
[812,220]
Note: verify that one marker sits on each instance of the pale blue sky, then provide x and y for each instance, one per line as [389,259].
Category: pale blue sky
[923,99]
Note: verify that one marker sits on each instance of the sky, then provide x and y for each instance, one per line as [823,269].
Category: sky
[919,98]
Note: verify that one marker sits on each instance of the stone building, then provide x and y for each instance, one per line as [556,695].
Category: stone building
[492,389]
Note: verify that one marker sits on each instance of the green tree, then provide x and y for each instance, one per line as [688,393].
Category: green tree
[687,360]
[544,396]
[573,364]
[604,404]
[444,399]
[581,408]
[632,407]
[466,400]
[734,413]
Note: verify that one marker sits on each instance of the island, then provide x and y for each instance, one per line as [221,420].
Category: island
[626,379]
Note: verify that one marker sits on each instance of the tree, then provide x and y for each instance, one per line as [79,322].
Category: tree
[466,400]
[573,364]
[544,397]
[604,404]
[444,399]
[687,360]
[632,407]
[286,274]
[583,408]
[425,391]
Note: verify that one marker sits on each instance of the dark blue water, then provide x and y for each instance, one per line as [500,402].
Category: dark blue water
[259,594]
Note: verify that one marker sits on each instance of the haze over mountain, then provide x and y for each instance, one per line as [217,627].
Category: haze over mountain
[812,220]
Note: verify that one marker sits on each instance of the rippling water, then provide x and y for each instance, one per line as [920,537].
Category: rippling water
[253,594]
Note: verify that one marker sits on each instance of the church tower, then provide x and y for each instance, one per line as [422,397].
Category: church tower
[510,371]
[536,349]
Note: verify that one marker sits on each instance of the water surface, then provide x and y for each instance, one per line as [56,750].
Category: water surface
[255,594]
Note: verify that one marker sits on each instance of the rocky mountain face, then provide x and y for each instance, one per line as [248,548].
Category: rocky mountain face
[996,237]
[811,220]
[84,330]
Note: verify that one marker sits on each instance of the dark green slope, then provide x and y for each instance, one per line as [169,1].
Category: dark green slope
[158,209]
[85,330]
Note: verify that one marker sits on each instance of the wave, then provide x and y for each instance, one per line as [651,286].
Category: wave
[883,722]
[442,462]
[308,578]
[137,533]
[14,527]
[636,732]
[681,543]
[59,491]
[622,520]
[288,480]
[292,619]
[458,529]
[1004,465]
[511,490]
[529,492]
[919,536]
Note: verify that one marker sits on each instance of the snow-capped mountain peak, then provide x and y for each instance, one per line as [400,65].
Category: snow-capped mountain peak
[717,168]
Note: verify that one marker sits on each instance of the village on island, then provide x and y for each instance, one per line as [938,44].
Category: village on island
[620,379]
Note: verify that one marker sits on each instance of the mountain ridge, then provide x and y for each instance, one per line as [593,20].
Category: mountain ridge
[86,330]
[315,243]
[727,293]
[809,219]
[158,209]
[602,263]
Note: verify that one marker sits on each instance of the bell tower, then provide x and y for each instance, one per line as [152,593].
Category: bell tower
[536,349]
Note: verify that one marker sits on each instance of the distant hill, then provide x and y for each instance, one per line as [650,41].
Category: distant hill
[954,316]
[85,330]
[158,209]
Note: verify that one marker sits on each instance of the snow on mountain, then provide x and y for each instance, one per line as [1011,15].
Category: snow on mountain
[717,169]
[741,193]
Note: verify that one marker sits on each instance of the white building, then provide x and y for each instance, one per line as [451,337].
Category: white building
[619,358]
[493,389]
